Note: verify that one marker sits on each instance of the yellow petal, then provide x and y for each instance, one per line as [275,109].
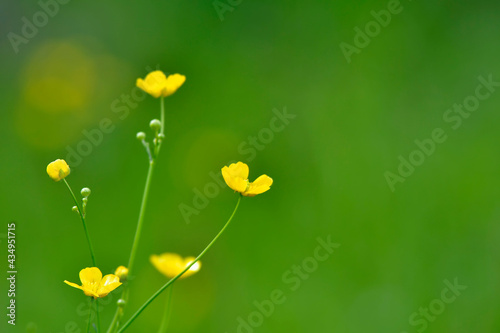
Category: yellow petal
[153,84]
[58,169]
[166,263]
[260,185]
[173,82]
[239,169]
[238,184]
[109,283]
[142,85]
[156,78]
[236,176]
[73,285]
[171,264]
[90,277]
[192,270]
[87,292]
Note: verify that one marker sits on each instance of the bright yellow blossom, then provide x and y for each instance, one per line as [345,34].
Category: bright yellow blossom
[236,177]
[122,273]
[157,84]
[171,264]
[93,284]
[58,170]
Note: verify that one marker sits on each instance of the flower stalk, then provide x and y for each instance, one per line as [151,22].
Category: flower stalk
[82,217]
[166,313]
[166,285]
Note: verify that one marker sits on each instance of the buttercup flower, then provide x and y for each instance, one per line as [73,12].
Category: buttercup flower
[122,273]
[58,170]
[93,284]
[171,264]
[157,84]
[236,177]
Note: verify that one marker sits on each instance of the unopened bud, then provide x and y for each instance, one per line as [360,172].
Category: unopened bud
[141,136]
[155,124]
[85,192]
[122,273]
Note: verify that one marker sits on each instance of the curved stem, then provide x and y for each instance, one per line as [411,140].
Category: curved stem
[166,285]
[80,211]
[167,312]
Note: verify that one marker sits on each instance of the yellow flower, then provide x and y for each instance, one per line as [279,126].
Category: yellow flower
[236,177]
[157,84]
[171,264]
[122,273]
[93,284]
[58,170]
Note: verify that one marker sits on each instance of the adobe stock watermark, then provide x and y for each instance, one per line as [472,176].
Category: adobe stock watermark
[453,117]
[224,6]
[372,29]
[31,27]
[420,319]
[248,150]
[94,137]
[292,279]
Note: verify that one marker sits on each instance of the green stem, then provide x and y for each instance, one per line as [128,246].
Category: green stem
[119,311]
[152,160]
[118,314]
[80,211]
[90,316]
[97,315]
[166,285]
[140,221]
[162,119]
[167,312]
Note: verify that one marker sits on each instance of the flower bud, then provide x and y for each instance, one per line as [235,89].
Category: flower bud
[121,302]
[141,136]
[122,273]
[75,209]
[155,124]
[85,192]
[161,136]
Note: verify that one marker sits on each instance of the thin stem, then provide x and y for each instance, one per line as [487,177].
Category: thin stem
[118,314]
[80,211]
[114,322]
[152,160]
[119,311]
[140,221]
[162,119]
[97,315]
[90,316]
[166,285]
[167,312]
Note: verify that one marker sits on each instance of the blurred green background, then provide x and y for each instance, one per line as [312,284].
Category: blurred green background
[352,122]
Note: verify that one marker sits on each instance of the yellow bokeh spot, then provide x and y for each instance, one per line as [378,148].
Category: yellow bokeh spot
[59,77]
